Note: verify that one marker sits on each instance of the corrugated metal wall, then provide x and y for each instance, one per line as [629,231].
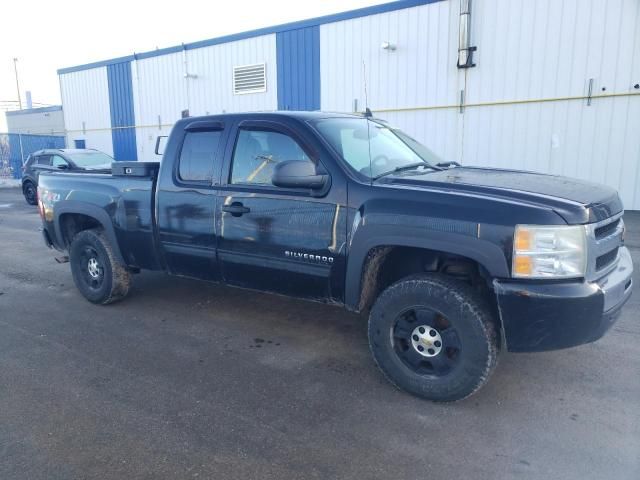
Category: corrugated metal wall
[85,99]
[159,95]
[548,49]
[212,91]
[122,115]
[298,54]
[527,52]
[162,91]
[421,71]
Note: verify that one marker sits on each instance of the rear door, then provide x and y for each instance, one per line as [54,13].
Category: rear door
[186,201]
[275,239]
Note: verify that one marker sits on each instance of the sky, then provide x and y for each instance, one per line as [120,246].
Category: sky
[51,35]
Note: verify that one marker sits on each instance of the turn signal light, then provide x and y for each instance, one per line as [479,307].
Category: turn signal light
[523,239]
[523,266]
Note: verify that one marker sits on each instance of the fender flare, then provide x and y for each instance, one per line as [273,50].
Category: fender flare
[28,178]
[487,254]
[93,211]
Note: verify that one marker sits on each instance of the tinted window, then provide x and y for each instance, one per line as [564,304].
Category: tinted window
[373,148]
[56,161]
[91,159]
[43,160]
[257,152]
[198,155]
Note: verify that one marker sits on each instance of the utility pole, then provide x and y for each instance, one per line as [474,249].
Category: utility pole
[15,68]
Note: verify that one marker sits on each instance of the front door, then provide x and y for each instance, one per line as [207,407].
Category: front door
[276,239]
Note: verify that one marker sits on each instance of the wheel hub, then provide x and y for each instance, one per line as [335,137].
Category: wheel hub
[426,340]
[93,267]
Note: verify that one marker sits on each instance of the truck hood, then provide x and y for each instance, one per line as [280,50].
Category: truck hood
[577,201]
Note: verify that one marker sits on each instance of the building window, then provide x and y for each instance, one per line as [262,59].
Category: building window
[250,79]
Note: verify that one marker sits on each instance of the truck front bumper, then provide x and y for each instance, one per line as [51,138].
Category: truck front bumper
[549,316]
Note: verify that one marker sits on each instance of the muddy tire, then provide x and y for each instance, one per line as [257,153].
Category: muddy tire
[96,271]
[434,337]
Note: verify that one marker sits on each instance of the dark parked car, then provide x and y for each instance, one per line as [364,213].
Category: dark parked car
[73,160]
[450,263]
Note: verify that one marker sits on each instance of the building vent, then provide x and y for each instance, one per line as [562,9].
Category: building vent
[250,79]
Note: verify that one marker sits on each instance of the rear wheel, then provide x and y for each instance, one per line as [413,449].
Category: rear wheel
[433,337]
[30,193]
[96,271]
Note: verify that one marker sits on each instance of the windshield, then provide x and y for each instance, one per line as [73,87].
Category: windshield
[91,159]
[374,149]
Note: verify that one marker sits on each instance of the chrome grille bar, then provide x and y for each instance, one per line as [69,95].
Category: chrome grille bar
[600,259]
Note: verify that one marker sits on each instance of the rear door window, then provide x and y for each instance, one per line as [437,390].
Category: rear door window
[198,156]
[43,160]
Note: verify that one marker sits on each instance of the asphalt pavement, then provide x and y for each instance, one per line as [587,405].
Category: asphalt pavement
[187,380]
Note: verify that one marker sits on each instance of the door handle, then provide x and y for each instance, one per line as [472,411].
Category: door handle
[236,209]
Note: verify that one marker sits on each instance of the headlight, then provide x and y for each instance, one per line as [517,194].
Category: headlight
[549,252]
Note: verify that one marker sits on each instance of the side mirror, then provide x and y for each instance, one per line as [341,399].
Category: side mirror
[62,166]
[298,174]
[161,141]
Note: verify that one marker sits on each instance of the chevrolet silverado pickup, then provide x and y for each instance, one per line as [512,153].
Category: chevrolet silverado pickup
[450,263]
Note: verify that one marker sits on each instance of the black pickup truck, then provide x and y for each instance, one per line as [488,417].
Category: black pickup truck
[450,263]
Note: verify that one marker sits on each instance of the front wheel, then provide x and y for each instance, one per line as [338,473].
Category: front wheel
[433,337]
[96,271]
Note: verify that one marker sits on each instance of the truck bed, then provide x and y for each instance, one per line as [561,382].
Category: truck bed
[127,199]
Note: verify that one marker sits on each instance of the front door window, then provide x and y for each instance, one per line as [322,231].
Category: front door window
[258,151]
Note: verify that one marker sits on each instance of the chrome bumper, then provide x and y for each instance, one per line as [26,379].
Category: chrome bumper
[617,285]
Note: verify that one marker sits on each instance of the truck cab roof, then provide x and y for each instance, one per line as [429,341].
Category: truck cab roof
[300,115]
[63,151]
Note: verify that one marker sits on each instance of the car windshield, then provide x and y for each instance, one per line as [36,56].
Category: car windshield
[91,159]
[374,149]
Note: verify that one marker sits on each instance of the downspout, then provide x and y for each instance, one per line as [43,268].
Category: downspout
[465,61]
[465,50]
[185,66]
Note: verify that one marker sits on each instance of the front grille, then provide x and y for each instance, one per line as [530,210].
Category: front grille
[606,259]
[603,242]
[606,230]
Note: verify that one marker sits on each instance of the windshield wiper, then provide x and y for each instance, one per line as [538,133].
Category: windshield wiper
[449,164]
[402,168]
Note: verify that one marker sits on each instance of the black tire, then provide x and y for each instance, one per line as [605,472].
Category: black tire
[30,192]
[465,350]
[96,271]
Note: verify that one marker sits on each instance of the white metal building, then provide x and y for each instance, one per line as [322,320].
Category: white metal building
[40,121]
[555,85]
